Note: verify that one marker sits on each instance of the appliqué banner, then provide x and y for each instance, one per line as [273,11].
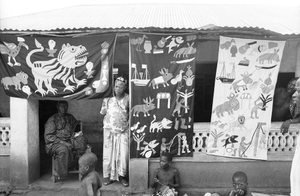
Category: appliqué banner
[243,97]
[162,93]
[46,67]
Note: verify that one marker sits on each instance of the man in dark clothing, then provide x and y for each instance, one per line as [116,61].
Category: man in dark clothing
[61,140]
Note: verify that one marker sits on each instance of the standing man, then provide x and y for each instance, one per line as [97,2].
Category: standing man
[116,134]
[295,170]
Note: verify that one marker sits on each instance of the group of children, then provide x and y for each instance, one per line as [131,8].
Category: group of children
[165,179]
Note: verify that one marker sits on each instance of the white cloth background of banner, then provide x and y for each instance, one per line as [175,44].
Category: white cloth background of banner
[246,77]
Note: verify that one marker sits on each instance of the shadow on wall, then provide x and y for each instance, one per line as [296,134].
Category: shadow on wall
[4,104]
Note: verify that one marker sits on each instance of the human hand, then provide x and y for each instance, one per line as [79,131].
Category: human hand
[156,180]
[66,144]
[232,193]
[285,126]
[238,192]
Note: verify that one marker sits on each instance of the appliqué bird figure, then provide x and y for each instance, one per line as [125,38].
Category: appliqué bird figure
[12,50]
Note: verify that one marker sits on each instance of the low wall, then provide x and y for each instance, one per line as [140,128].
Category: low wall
[206,173]
[4,149]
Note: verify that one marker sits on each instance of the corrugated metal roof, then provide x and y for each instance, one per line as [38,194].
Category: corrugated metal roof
[280,19]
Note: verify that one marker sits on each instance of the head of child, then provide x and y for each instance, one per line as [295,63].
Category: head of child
[240,183]
[87,163]
[165,160]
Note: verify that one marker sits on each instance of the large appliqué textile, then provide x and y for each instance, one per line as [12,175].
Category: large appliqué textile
[243,97]
[46,67]
[162,93]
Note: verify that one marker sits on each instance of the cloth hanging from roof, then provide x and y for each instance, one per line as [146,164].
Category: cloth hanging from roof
[243,97]
[162,93]
[46,67]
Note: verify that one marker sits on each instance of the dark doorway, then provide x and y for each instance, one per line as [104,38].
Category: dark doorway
[204,90]
[46,109]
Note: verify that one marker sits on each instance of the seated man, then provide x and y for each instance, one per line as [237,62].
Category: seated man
[61,140]
[282,104]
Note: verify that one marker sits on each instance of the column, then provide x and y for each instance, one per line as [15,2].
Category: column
[138,173]
[25,150]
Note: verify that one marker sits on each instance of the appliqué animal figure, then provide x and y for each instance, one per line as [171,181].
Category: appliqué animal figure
[138,41]
[20,77]
[12,50]
[246,79]
[178,79]
[236,87]
[159,125]
[269,57]
[185,51]
[163,79]
[229,106]
[148,150]
[141,129]
[135,126]
[230,140]
[175,43]
[237,124]
[227,44]
[145,108]
[61,68]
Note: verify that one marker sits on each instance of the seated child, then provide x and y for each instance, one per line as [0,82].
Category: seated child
[91,182]
[240,185]
[166,178]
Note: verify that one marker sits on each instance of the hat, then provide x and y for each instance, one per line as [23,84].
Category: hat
[122,79]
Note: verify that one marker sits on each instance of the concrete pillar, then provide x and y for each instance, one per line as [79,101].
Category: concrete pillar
[25,150]
[138,174]
[297,72]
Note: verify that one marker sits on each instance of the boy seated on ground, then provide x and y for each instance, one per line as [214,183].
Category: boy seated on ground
[166,178]
[240,185]
[91,182]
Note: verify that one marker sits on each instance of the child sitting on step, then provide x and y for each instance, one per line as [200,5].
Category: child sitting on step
[240,185]
[166,178]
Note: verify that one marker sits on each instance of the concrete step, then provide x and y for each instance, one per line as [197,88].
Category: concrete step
[45,187]
[121,191]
